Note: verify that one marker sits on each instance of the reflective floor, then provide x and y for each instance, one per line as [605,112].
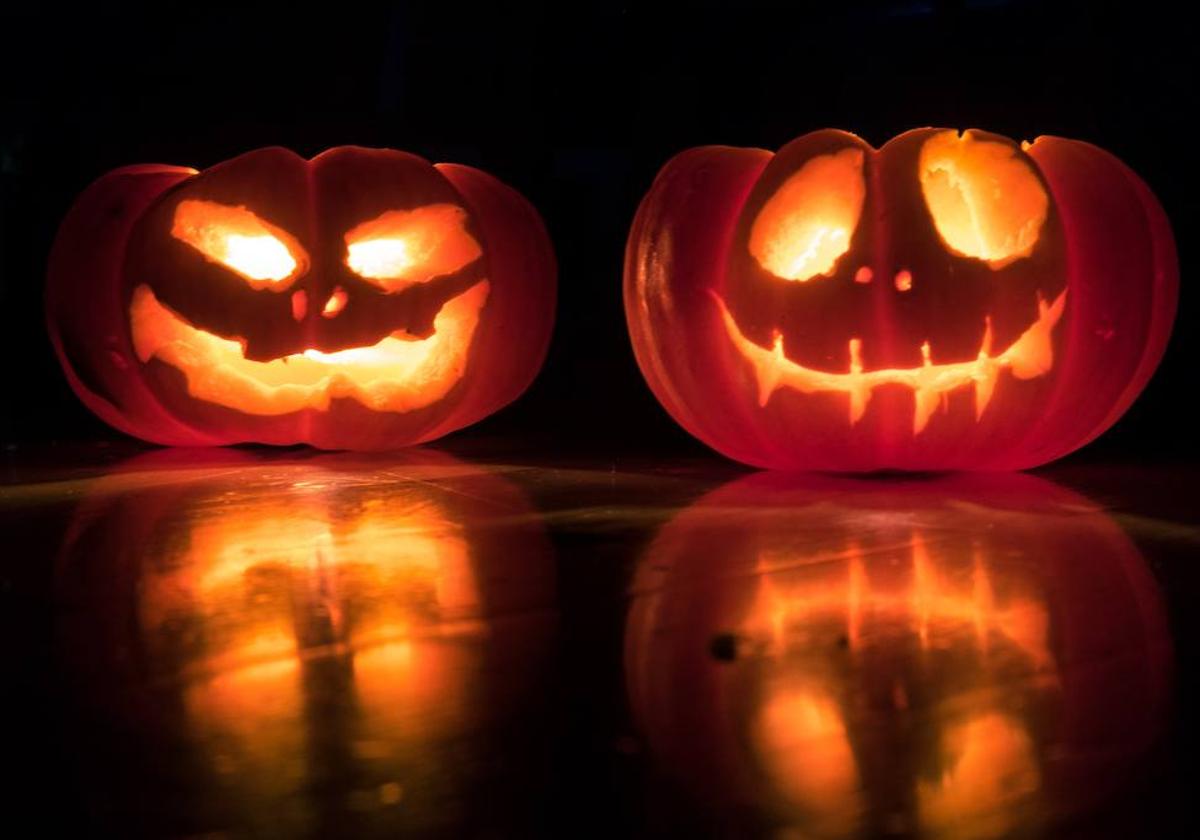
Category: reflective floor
[242,643]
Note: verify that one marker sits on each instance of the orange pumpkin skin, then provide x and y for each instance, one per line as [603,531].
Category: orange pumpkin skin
[948,301]
[228,306]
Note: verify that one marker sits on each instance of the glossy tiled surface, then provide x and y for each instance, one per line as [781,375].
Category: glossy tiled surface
[240,643]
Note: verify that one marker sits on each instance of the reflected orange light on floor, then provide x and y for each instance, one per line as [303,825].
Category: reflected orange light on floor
[991,765]
[802,740]
[801,736]
[267,587]
[932,600]
[919,657]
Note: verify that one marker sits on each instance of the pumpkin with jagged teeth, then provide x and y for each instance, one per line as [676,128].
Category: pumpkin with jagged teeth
[363,299]
[936,303]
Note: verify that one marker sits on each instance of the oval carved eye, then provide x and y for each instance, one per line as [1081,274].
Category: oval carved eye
[263,254]
[403,247]
[805,227]
[985,199]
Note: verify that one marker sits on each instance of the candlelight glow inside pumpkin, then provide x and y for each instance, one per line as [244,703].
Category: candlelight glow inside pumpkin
[362,299]
[396,373]
[806,226]
[394,251]
[985,203]
[949,300]
[242,242]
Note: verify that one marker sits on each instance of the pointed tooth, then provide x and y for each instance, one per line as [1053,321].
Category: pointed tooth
[985,384]
[925,402]
[859,397]
[860,394]
[768,373]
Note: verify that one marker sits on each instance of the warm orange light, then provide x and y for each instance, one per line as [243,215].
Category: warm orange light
[335,304]
[936,599]
[402,247]
[805,227]
[985,199]
[265,255]
[802,740]
[992,766]
[1030,356]
[320,570]
[397,373]
[931,601]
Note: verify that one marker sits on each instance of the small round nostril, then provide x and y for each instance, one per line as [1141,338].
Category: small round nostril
[299,304]
[904,280]
[864,275]
[335,304]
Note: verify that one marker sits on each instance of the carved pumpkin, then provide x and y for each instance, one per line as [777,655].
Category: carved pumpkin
[330,628]
[363,299]
[949,301]
[926,658]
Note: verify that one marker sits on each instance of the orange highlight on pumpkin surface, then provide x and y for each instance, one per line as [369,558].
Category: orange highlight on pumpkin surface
[236,238]
[985,199]
[402,247]
[805,227]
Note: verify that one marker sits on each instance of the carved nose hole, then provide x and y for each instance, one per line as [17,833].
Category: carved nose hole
[299,304]
[335,304]
[904,280]
[864,275]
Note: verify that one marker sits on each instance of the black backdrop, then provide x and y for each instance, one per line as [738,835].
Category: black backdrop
[576,106]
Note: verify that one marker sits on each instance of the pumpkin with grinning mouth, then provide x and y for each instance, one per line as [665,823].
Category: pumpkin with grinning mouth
[951,300]
[363,299]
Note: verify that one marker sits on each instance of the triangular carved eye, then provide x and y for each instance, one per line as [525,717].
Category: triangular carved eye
[985,198]
[805,227]
[403,247]
[264,255]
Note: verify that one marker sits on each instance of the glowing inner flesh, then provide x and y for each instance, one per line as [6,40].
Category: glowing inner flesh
[985,200]
[239,240]
[805,227]
[402,247]
[1030,356]
[395,374]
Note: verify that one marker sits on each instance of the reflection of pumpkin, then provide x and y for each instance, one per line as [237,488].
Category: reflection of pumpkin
[360,300]
[947,301]
[925,657]
[330,624]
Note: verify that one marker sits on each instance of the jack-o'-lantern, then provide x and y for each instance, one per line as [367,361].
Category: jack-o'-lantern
[327,632]
[363,299]
[948,301]
[924,658]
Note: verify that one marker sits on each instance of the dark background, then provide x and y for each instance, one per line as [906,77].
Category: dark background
[577,107]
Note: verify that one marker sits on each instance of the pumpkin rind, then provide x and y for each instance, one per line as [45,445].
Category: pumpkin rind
[119,254]
[1095,289]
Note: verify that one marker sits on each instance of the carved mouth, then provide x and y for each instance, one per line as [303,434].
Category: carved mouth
[395,374]
[1030,356]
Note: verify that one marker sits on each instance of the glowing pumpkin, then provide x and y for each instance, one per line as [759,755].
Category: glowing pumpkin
[363,299]
[335,625]
[949,301]
[922,658]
